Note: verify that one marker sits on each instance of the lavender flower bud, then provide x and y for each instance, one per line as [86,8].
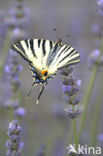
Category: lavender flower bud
[20,112]
[72,113]
[66,88]
[94,57]
[78,83]
[11,104]
[95,53]
[66,72]
[100,138]
[73,100]
[17,34]
[100,3]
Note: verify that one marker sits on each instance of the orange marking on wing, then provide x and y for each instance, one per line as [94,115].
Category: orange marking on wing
[44,71]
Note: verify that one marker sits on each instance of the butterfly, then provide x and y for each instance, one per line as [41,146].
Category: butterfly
[45,57]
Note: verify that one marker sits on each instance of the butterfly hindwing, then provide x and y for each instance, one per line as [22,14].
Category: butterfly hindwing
[35,76]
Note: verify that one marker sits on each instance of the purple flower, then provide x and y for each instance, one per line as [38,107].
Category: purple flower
[96,53]
[20,112]
[66,72]
[18,33]
[78,83]
[66,88]
[72,113]
[94,57]
[100,3]
[14,144]
[18,16]
[11,104]
[73,100]
[100,137]
[70,89]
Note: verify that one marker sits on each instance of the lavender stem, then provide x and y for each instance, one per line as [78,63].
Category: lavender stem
[96,116]
[5,51]
[75,131]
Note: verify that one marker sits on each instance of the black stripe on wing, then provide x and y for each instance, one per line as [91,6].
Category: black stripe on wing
[70,63]
[26,42]
[20,50]
[63,50]
[43,47]
[53,53]
[73,59]
[73,50]
[67,56]
[31,42]
[39,42]
[51,44]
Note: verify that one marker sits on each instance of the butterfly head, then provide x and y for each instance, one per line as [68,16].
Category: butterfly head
[41,76]
[44,73]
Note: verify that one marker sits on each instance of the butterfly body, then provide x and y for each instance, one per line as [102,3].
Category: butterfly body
[45,57]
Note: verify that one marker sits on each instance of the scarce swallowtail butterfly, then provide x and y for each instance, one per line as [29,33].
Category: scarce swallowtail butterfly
[45,57]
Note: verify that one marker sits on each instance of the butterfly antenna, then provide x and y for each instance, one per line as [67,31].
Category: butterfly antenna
[41,91]
[56,32]
[59,40]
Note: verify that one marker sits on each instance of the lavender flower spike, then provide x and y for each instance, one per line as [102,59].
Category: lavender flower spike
[14,144]
[70,89]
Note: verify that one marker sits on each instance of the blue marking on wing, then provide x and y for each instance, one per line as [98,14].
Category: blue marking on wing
[37,81]
[34,75]
[33,69]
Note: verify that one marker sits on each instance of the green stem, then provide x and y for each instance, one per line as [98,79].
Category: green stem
[96,116]
[75,131]
[86,100]
[88,92]
[5,50]
[11,114]
[75,134]
[95,125]
[69,135]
